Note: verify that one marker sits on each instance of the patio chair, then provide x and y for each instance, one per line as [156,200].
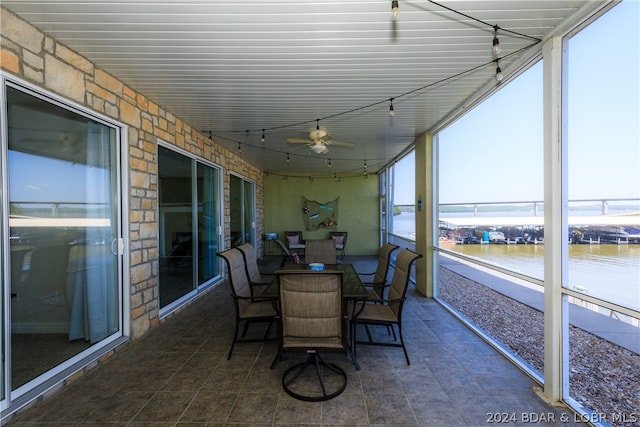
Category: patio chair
[388,312]
[295,242]
[286,255]
[320,250]
[312,322]
[249,309]
[378,283]
[257,280]
[340,237]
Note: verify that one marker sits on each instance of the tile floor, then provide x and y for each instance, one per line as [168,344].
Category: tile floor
[178,375]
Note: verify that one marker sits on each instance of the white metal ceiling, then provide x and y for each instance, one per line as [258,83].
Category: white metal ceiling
[245,65]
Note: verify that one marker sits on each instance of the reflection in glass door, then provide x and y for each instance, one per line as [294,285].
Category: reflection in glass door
[241,210]
[64,229]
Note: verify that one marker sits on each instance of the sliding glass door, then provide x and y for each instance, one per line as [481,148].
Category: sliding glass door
[189,224]
[63,293]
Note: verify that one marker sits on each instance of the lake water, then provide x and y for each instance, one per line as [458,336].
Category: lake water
[610,272]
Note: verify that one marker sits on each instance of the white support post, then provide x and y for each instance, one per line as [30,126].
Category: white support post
[555,224]
[424,214]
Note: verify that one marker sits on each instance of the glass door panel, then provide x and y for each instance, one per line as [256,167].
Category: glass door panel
[236,211]
[248,212]
[176,225]
[241,211]
[208,223]
[64,229]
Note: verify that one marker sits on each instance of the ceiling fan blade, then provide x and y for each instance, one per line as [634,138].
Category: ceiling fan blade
[298,141]
[341,143]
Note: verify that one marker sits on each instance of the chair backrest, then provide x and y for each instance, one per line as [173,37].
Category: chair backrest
[250,261]
[289,234]
[384,258]
[400,279]
[311,310]
[237,274]
[320,250]
[340,237]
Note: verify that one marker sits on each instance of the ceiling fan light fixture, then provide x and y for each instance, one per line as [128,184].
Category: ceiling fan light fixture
[318,148]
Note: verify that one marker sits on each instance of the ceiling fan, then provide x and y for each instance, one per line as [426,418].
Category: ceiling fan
[319,141]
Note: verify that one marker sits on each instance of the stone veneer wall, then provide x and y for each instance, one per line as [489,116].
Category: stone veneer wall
[40,60]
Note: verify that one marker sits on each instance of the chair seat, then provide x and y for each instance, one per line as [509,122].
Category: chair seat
[258,309]
[377,312]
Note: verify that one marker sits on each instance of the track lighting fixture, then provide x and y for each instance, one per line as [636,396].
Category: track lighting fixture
[496,43]
[391,111]
[499,75]
[394,9]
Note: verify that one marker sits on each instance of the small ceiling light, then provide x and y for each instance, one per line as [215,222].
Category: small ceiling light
[262,139]
[391,111]
[210,136]
[394,9]
[239,147]
[499,75]
[288,159]
[496,43]
[329,162]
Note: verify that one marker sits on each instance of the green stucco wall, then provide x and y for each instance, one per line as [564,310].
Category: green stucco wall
[358,212]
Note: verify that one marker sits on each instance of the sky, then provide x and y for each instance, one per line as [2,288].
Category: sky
[499,143]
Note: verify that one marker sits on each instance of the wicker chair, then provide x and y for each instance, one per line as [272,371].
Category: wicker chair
[249,309]
[312,322]
[257,280]
[378,283]
[321,250]
[388,312]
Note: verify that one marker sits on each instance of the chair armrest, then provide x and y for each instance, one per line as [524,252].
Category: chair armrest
[375,284]
[254,299]
[366,274]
